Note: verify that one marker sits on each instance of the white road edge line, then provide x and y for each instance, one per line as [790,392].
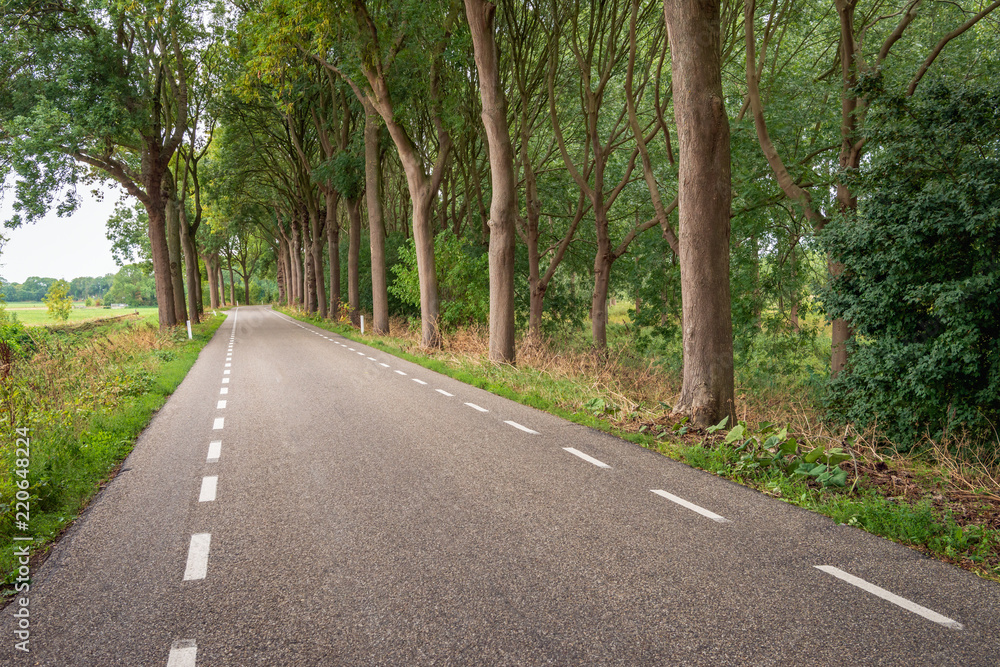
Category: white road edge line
[419,381]
[523,428]
[214,451]
[586,457]
[442,391]
[891,597]
[691,506]
[476,407]
[208,487]
[197,562]
[183,653]
[220,422]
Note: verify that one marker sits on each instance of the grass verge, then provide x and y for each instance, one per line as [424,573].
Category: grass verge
[82,393]
[929,500]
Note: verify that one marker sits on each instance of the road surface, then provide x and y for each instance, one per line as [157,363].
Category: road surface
[306,500]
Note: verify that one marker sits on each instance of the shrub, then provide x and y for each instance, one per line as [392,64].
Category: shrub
[921,283]
[462,274]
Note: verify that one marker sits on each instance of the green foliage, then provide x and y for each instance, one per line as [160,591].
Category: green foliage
[58,300]
[921,284]
[771,450]
[132,286]
[462,274]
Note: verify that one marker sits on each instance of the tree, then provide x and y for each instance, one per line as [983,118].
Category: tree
[503,208]
[707,393]
[58,300]
[102,88]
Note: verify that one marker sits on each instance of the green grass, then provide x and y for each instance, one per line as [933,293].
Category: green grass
[37,314]
[80,437]
[918,525]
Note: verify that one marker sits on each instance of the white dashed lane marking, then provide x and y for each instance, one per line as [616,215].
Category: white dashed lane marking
[183,653]
[419,381]
[691,506]
[384,365]
[586,457]
[476,407]
[442,391]
[214,451]
[208,486]
[197,562]
[225,380]
[401,372]
[224,390]
[891,597]
[221,405]
[523,428]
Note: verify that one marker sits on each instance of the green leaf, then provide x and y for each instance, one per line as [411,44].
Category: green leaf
[735,434]
[815,455]
[718,427]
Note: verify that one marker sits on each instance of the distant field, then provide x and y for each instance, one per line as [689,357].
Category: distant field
[37,313]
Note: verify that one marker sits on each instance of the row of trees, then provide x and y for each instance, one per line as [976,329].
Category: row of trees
[702,146]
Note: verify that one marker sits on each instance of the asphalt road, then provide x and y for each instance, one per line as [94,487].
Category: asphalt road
[367,511]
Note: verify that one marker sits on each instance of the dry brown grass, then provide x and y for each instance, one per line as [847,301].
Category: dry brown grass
[74,369]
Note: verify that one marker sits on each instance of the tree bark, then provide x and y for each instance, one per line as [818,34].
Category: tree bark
[192,274]
[333,250]
[707,393]
[503,207]
[174,246]
[213,282]
[316,257]
[376,224]
[353,254]
[156,212]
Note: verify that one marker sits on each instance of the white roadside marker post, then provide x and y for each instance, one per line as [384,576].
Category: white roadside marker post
[362,325]
[189,329]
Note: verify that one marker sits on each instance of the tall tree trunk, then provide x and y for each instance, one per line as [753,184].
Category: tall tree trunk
[333,250]
[309,280]
[602,276]
[296,258]
[232,281]
[850,159]
[503,207]
[190,267]
[212,269]
[174,247]
[353,252]
[707,394]
[316,257]
[376,224]
[222,281]
[156,212]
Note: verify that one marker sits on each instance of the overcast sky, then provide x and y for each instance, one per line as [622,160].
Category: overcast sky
[59,247]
